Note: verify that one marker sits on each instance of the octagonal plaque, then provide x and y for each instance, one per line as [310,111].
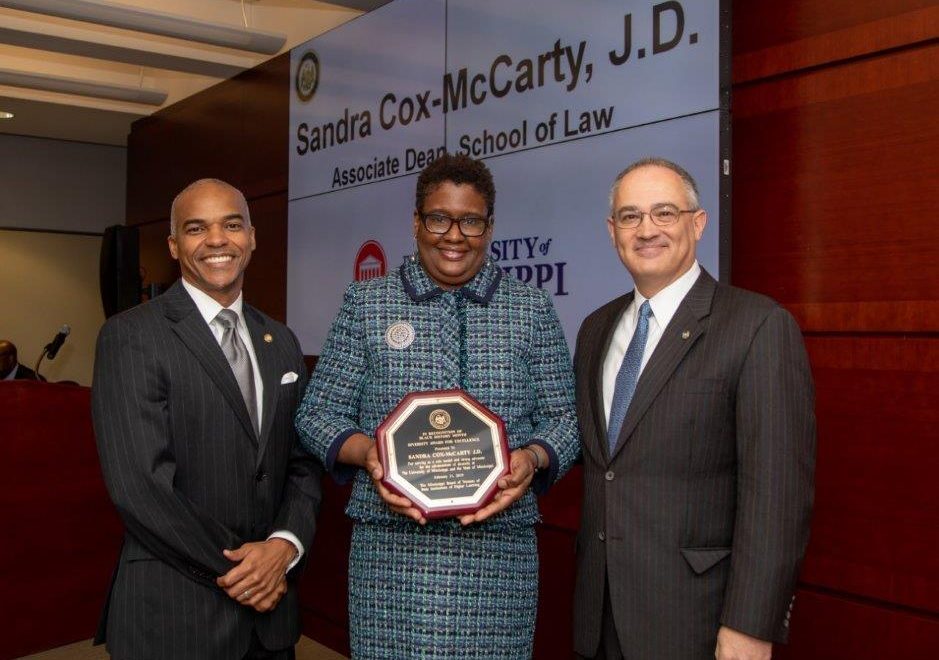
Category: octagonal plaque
[444,451]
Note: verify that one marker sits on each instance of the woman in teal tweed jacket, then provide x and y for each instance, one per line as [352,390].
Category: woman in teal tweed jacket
[447,588]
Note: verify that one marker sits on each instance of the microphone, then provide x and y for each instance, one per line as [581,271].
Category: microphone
[52,348]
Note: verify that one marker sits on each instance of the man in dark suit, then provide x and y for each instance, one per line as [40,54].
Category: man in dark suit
[10,368]
[696,405]
[193,403]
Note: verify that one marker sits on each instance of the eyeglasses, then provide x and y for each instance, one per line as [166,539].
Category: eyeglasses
[662,215]
[470,225]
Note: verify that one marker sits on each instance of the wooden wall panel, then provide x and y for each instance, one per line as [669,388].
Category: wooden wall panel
[830,197]
[235,131]
[266,277]
[757,27]
[834,161]
[826,626]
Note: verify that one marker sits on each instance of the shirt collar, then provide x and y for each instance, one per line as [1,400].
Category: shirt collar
[665,303]
[208,306]
[12,374]
[420,287]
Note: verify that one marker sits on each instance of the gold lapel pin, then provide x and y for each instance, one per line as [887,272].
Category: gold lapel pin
[268,339]
[686,334]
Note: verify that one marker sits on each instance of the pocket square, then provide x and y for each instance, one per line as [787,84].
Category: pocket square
[289,377]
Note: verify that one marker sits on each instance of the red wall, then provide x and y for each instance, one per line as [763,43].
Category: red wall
[835,142]
[834,173]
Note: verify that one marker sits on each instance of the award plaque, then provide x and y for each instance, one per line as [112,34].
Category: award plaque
[444,451]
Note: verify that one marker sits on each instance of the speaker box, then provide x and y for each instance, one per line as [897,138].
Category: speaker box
[120,269]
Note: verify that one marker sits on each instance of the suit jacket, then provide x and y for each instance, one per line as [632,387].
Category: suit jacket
[700,517]
[25,373]
[190,476]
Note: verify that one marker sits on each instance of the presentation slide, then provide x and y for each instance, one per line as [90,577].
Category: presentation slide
[556,101]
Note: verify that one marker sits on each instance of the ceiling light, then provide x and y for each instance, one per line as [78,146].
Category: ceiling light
[6,115]
[102,12]
[82,87]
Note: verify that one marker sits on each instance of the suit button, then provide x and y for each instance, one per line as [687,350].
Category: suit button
[260,476]
[609,475]
[601,536]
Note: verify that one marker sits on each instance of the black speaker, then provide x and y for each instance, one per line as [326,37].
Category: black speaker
[120,269]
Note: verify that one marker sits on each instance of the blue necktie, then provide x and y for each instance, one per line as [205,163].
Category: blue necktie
[628,376]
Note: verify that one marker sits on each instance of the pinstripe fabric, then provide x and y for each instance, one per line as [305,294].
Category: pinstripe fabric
[190,476]
[448,591]
[700,518]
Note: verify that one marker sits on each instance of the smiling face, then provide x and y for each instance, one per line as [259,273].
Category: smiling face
[452,259]
[214,240]
[655,256]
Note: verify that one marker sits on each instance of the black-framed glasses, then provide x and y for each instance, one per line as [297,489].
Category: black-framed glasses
[662,215]
[470,225]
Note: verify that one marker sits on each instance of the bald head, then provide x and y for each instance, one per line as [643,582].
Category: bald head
[200,185]
[7,357]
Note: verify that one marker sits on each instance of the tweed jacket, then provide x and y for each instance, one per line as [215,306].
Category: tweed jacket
[496,337]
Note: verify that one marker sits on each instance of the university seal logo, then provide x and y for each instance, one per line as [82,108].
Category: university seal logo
[308,76]
[440,419]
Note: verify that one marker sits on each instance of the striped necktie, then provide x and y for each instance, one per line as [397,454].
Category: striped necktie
[237,355]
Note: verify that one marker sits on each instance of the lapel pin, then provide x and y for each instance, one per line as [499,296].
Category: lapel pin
[268,339]
[686,334]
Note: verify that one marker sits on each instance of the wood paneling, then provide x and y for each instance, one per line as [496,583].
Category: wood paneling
[831,201]
[826,626]
[266,277]
[834,159]
[759,25]
[235,131]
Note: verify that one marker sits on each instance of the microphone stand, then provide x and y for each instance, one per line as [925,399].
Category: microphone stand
[36,368]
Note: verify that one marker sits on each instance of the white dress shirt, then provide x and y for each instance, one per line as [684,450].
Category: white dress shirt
[209,308]
[664,304]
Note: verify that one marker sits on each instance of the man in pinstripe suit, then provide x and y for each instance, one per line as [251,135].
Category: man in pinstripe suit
[193,402]
[696,405]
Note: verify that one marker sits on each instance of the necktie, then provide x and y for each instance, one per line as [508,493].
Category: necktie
[237,355]
[628,376]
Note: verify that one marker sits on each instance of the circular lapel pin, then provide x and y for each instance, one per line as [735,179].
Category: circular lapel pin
[686,334]
[399,335]
[268,339]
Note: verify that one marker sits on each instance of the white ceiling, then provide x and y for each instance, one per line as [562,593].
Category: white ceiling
[82,56]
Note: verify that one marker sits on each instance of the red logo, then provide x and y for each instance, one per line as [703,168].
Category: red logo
[370,261]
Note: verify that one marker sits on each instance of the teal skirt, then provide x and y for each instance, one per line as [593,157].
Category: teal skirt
[442,592]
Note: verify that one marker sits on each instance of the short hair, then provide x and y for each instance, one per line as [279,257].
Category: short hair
[202,182]
[691,186]
[459,169]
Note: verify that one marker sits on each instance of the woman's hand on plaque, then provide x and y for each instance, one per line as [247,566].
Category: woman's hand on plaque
[512,486]
[397,503]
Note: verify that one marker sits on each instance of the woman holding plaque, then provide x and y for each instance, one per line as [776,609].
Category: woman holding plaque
[448,318]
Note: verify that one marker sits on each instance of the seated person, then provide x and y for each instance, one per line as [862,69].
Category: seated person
[10,368]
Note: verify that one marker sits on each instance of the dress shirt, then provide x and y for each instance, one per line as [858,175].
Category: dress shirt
[664,304]
[209,308]
[12,374]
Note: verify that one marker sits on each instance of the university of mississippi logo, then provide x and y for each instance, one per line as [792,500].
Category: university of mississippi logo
[370,261]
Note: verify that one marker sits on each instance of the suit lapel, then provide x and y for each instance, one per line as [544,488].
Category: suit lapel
[681,334]
[193,331]
[266,353]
